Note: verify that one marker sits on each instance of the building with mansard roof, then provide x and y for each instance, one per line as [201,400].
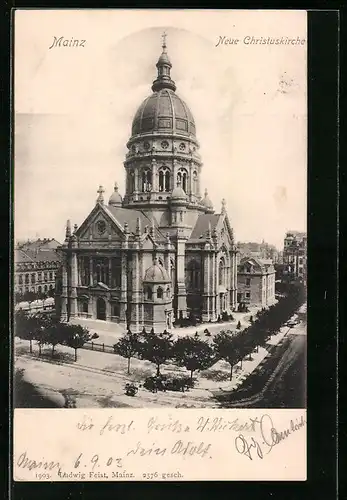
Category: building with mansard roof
[159,252]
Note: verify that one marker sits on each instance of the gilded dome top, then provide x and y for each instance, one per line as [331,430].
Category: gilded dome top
[163,111]
[156,274]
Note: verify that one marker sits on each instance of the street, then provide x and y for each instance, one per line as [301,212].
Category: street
[278,382]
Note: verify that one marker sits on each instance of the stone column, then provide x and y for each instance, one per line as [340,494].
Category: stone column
[91,278]
[207,287]
[74,280]
[110,272]
[64,294]
[135,312]
[213,287]
[124,289]
[181,286]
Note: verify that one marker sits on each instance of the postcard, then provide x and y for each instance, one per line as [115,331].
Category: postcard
[160,164]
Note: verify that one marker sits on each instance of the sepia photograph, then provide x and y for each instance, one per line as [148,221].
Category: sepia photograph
[179,280]
[160,257]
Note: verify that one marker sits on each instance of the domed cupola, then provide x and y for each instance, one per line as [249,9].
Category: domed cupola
[115,198]
[207,203]
[178,195]
[156,274]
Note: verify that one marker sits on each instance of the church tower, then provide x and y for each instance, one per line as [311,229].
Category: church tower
[164,156]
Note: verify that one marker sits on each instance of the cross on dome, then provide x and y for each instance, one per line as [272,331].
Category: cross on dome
[164,35]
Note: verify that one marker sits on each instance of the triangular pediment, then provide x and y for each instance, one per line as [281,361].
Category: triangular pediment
[100,225]
[148,243]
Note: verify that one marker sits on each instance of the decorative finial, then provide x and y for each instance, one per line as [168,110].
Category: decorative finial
[75,227]
[116,187]
[206,193]
[209,233]
[100,192]
[164,35]
[68,229]
[126,227]
[223,206]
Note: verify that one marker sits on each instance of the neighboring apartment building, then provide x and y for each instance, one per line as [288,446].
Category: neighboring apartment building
[35,266]
[256,282]
[295,256]
[261,250]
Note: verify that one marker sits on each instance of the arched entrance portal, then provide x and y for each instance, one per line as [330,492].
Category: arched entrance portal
[101,309]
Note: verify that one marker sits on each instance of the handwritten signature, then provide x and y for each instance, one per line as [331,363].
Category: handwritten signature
[269,437]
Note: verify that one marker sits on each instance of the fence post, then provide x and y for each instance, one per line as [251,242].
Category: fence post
[103,347]
[92,346]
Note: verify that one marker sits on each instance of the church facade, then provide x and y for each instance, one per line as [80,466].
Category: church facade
[159,253]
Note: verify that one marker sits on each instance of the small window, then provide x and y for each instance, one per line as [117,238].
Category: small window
[148,293]
[247,295]
[85,307]
[160,293]
[248,281]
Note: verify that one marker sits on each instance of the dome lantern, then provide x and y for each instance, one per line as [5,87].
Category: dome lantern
[163,80]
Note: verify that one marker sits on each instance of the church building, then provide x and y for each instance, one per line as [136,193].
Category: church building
[159,253]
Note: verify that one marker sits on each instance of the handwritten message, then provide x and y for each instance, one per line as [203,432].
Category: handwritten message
[88,445]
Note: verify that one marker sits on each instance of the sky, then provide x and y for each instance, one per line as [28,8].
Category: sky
[74,108]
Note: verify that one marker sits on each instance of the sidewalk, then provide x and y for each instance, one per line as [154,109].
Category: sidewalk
[109,338]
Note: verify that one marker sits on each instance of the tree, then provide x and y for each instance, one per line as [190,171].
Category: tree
[27,327]
[53,336]
[238,326]
[127,346]
[74,336]
[156,348]
[225,346]
[192,353]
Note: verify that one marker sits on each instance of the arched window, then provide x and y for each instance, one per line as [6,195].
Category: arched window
[160,293]
[146,180]
[148,293]
[39,289]
[182,179]
[45,289]
[101,270]
[33,278]
[131,181]
[193,275]
[222,272]
[27,278]
[164,180]
[195,182]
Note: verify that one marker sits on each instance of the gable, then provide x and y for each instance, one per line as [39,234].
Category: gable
[99,225]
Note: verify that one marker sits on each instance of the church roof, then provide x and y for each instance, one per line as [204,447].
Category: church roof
[163,110]
[202,225]
[130,216]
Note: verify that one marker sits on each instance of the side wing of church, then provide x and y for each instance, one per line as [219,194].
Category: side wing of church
[161,253]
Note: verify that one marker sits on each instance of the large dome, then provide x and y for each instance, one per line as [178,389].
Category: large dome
[163,111]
